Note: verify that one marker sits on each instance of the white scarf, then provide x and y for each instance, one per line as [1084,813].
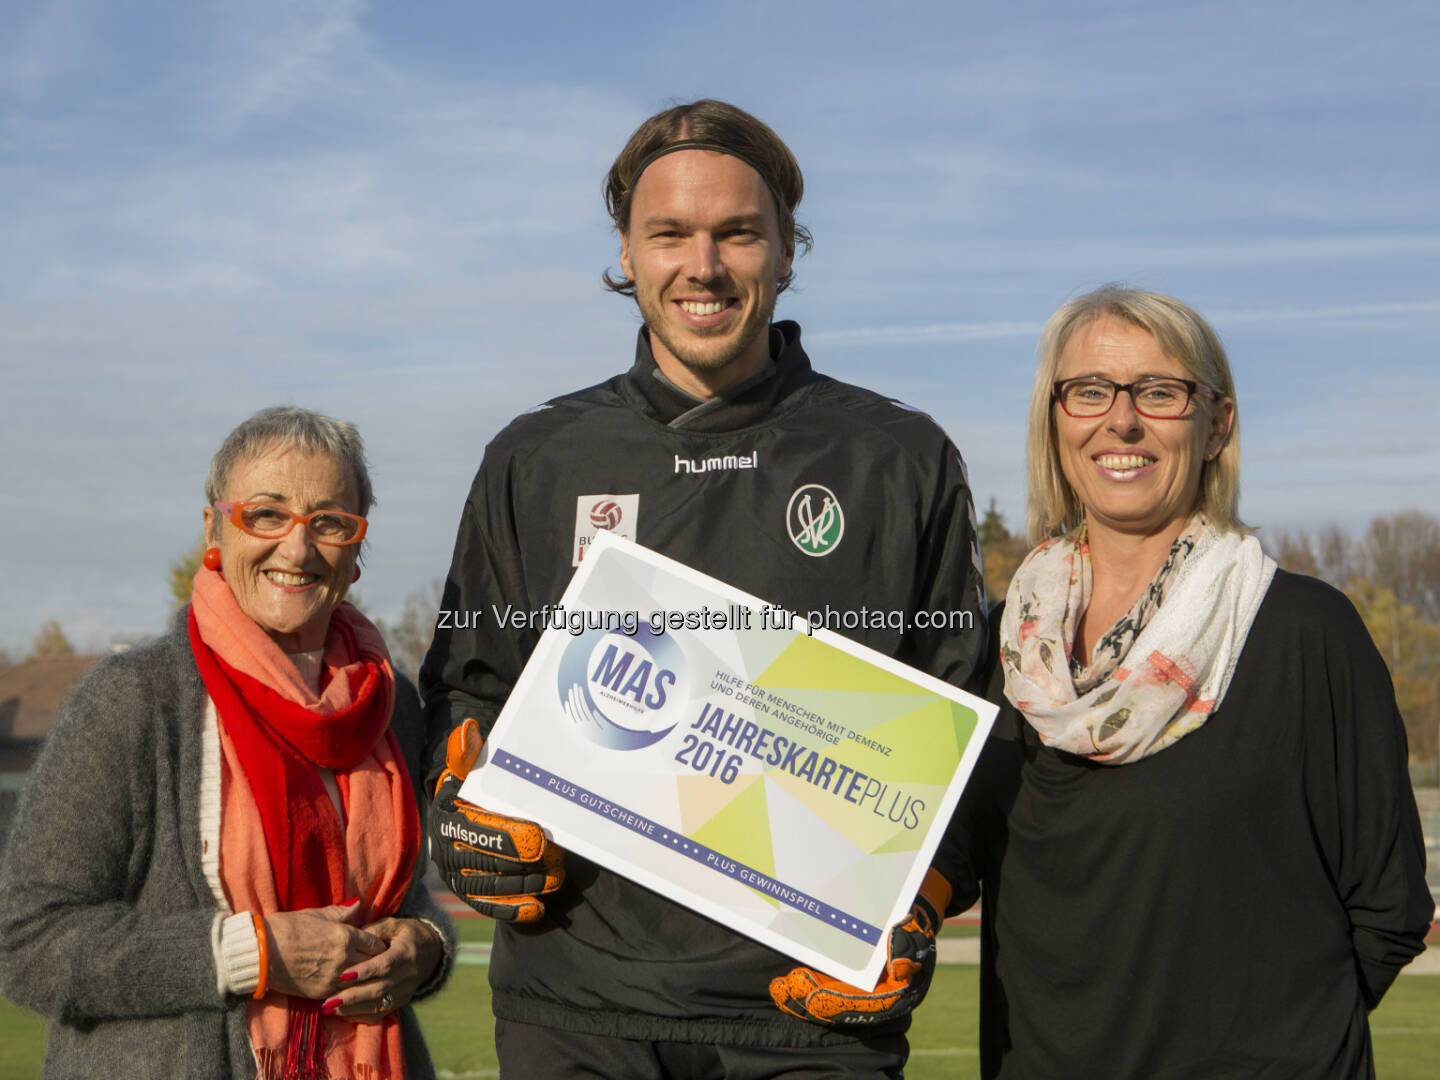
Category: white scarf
[1175,671]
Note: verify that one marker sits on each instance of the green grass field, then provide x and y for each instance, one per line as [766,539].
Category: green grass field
[457,1023]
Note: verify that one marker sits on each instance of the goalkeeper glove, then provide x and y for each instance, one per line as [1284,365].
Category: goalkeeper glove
[812,996]
[501,866]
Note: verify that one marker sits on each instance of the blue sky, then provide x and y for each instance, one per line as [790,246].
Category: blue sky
[391,212]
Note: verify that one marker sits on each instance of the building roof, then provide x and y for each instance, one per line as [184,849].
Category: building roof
[32,692]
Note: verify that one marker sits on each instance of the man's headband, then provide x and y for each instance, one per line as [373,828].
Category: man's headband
[714,147]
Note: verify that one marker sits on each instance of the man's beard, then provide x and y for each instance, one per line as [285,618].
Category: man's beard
[703,355]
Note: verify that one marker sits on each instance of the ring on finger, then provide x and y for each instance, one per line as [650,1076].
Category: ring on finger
[386,1002]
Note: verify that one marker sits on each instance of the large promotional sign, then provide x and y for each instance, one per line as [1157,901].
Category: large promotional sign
[767,773]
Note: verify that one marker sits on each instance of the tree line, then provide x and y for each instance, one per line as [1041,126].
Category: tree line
[1392,575]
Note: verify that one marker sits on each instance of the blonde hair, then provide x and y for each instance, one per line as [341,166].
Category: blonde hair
[1183,336]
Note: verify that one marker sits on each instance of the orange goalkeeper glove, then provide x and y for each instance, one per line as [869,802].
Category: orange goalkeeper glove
[812,996]
[501,866]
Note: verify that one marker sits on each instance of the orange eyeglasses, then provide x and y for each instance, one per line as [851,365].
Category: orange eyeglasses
[270,522]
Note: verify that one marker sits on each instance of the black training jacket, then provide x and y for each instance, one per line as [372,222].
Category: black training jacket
[722,485]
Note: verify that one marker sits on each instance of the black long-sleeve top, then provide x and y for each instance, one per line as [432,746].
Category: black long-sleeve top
[714,485]
[1230,907]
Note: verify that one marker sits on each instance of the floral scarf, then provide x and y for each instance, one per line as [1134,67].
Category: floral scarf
[1159,672]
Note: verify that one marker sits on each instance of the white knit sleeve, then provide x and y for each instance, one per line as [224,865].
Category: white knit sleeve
[237,954]
[232,937]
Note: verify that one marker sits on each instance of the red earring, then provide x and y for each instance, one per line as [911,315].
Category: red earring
[356,576]
[212,559]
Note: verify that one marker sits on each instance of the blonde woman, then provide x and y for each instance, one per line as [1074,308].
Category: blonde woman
[1199,850]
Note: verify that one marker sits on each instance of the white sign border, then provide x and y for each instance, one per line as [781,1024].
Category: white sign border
[477,788]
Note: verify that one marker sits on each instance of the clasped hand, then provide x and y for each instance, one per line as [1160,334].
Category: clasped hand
[361,971]
[312,948]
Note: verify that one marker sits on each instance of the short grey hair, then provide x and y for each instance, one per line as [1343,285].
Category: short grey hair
[1182,335]
[283,427]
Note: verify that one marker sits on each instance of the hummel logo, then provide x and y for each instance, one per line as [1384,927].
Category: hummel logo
[715,464]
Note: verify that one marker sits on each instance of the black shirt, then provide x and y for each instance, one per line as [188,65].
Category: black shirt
[1226,908]
[711,486]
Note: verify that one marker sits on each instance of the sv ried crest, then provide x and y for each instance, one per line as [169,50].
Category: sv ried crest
[814,519]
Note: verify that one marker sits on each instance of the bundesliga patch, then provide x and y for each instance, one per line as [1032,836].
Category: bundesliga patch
[615,513]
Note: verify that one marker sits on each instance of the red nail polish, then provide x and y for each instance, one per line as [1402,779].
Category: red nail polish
[352,900]
[348,976]
[330,1006]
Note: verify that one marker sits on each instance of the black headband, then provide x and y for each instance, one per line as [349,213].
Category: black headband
[714,147]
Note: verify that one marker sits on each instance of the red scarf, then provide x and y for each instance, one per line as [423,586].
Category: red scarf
[282,740]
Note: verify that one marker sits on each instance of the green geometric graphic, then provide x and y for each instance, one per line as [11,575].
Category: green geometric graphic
[927,742]
[808,662]
[759,648]
[742,830]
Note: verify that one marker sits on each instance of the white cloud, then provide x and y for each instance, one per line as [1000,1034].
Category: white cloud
[951,333]
[1334,311]
[933,333]
[274,54]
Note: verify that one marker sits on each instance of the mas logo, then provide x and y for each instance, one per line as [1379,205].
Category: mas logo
[814,519]
[615,513]
[620,690]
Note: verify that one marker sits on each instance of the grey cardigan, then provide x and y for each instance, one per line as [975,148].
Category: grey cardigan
[105,914]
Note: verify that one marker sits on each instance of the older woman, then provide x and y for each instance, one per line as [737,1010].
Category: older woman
[214,870]
[1199,850]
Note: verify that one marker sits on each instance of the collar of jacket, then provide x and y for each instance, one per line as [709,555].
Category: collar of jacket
[752,402]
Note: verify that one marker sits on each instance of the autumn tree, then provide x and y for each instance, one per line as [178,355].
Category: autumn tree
[1392,576]
[1401,552]
[1329,555]
[50,642]
[1001,551]
[1411,648]
[1295,552]
[409,636]
[182,572]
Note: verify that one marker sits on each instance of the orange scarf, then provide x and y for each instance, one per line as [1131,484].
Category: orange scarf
[283,846]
